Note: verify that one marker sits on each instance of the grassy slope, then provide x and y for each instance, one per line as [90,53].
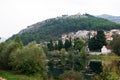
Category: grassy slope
[103,57]
[11,76]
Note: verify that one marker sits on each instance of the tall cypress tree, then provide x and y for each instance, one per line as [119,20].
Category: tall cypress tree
[97,42]
[50,46]
[78,44]
[101,39]
[60,45]
[67,44]
[56,46]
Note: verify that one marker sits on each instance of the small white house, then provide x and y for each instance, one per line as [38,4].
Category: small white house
[105,50]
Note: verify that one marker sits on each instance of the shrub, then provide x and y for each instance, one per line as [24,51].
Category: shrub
[29,60]
[71,75]
[116,44]
[5,51]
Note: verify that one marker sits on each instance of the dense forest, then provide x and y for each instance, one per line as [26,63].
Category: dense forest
[55,27]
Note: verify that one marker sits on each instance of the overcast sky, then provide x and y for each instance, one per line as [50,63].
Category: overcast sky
[18,14]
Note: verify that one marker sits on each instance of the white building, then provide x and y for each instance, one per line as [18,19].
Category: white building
[81,34]
[105,50]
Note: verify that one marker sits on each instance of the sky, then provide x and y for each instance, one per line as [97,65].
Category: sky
[16,15]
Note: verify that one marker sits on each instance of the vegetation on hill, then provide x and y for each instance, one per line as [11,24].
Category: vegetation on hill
[55,27]
[56,61]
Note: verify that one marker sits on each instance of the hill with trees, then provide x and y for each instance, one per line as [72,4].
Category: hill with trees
[52,29]
[115,19]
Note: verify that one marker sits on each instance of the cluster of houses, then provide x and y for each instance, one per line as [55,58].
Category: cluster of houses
[84,34]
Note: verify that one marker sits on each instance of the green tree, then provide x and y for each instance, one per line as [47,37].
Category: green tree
[56,46]
[116,44]
[78,44]
[70,42]
[101,39]
[93,44]
[97,42]
[29,60]
[50,45]
[7,49]
[83,58]
[67,44]
[80,60]
[60,44]
[112,72]
[63,56]
[18,40]
[2,46]
[71,59]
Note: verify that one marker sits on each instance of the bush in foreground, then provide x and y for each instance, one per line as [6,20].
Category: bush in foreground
[29,60]
[6,48]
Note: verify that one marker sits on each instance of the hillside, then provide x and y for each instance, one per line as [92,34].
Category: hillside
[53,28]
[111,18]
